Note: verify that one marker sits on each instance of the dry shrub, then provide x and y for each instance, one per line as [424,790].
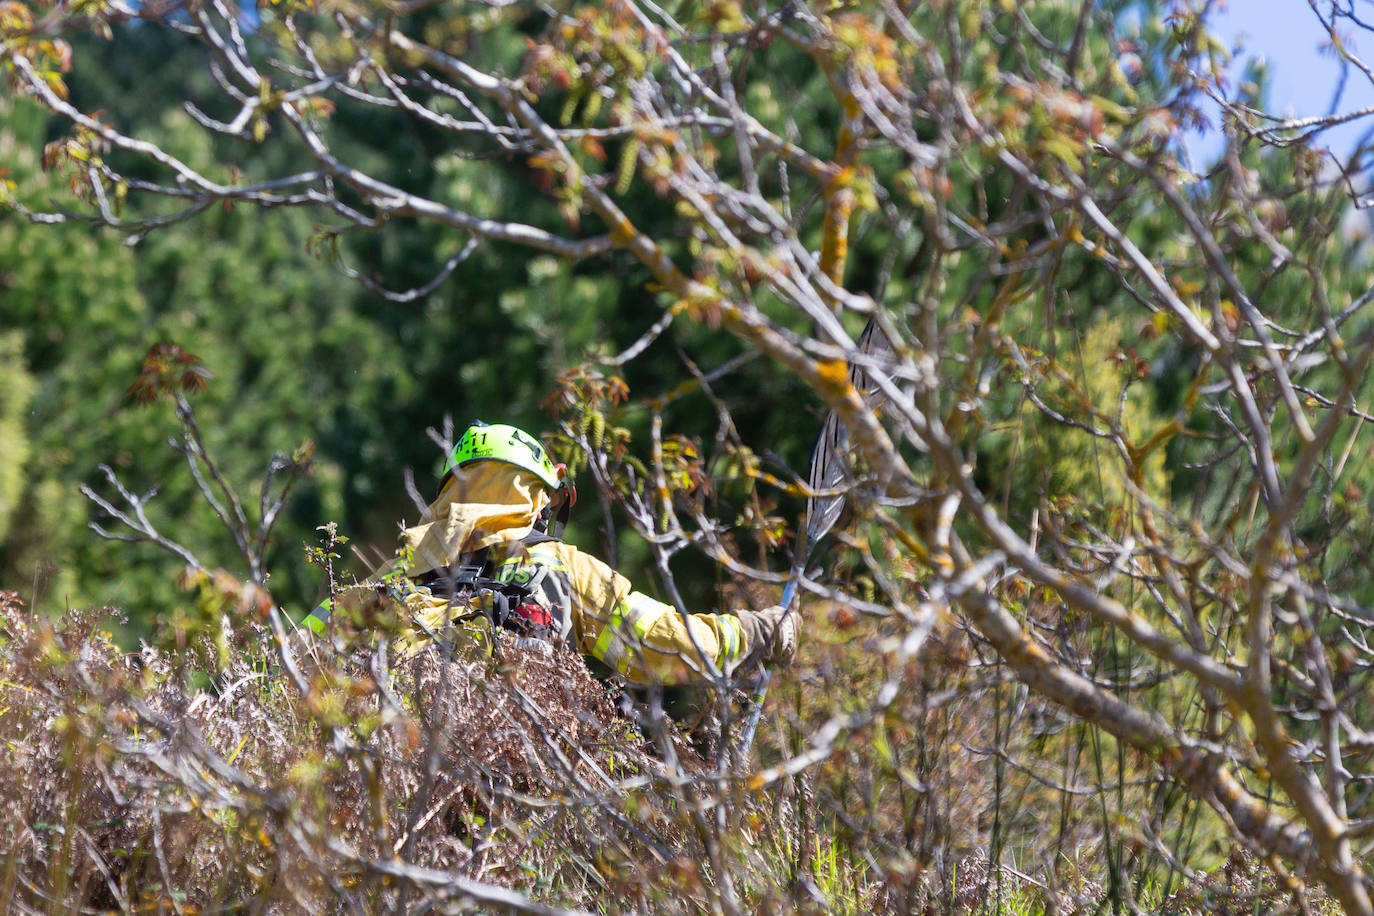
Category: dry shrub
[513,784]
[423,780]
[965,793]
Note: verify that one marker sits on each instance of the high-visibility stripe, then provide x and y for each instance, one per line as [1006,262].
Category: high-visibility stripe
[509,569]
[318,619]
[733,637]
[538,553]
[517,562]
[611,646]
[625,630]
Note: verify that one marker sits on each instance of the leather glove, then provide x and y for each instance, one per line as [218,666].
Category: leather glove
[770,634]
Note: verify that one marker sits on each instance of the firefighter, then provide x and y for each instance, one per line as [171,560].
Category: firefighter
[491,523]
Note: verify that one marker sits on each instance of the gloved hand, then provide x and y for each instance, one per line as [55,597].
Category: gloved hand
[770,634]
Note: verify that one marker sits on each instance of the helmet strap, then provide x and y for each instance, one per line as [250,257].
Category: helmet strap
[560,520]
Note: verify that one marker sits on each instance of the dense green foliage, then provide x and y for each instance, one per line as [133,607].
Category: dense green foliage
[299,352]
[238,294]
[16,388]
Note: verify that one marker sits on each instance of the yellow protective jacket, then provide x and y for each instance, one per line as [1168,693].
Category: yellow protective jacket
[493,506]
[642,639]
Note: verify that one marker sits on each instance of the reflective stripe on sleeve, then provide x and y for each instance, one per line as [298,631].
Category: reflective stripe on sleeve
[733,637]
[625,630]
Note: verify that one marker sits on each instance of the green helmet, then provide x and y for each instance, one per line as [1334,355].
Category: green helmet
[504,443]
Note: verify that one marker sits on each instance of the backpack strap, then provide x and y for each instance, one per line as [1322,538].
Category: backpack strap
[515,607]
[529,540]
[538,590]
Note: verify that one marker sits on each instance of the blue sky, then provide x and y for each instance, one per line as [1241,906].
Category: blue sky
[1302,76]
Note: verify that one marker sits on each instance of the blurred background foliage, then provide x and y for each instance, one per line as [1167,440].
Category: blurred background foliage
[301,352]
[298,351]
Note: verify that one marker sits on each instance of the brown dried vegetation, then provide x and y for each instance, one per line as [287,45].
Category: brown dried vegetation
[515,785]
[131,789]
